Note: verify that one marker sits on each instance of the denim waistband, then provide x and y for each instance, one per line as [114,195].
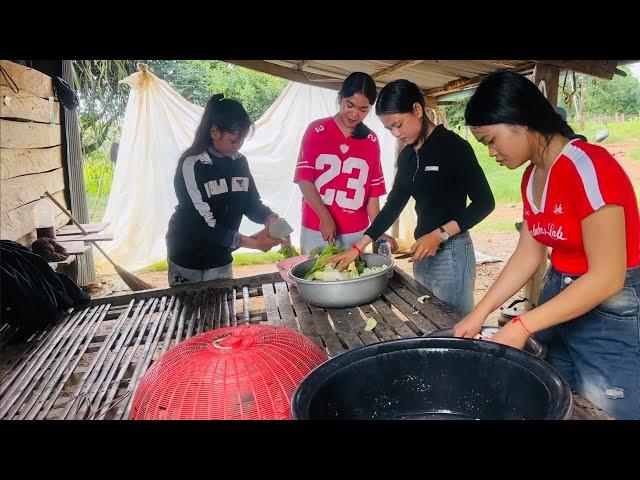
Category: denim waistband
[632,276]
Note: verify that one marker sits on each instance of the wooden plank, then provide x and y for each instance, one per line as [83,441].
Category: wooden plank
[92,237]
[254,280]
[546,78]
[21,221]
[583,409]
[67,261]
[25,189]
[246,314]
[352,315]
[395,68]
[24,161]
[76,248]
[343,328]
[381,329]
[284,306]
[320,320]
[289,73]
[395,322]
[71,229]
[407,302]
[305,318]
[442,314]
[463,84]
[597,68]
[26,106]
[273,316]
[27,79]
[29,134]
[27,239]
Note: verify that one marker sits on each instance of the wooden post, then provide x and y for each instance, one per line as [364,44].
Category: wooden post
[546,78]
[432,105]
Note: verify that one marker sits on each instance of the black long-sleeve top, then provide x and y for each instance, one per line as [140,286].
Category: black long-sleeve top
[214,192]
[440,176]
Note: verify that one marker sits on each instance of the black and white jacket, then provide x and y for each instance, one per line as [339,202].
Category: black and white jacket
[214,192]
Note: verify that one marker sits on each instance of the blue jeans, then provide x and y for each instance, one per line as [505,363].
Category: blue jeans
[451,273]
[179,275]
[598,353]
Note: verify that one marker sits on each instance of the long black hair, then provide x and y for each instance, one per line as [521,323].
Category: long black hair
[400,96]
[226,114]
[508,97]
[359,82]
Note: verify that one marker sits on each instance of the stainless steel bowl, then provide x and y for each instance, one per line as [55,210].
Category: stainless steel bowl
[344,293]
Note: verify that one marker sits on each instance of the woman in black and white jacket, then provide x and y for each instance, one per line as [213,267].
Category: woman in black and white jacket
[215,189]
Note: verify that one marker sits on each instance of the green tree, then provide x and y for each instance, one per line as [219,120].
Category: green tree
[605,97]
[104,99]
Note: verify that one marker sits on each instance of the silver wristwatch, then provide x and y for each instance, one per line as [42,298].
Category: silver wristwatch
[444,235]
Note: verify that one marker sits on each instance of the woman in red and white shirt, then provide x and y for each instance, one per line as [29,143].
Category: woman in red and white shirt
[339,171]
[579,201]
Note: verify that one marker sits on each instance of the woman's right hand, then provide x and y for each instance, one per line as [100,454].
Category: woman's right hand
[261,241]
[328,228]
[342,260]
[470,325]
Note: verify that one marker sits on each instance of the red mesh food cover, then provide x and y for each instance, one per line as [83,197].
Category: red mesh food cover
[246,372]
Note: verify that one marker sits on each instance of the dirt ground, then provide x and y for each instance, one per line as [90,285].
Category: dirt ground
[495,244]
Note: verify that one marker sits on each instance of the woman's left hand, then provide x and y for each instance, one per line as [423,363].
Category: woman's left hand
[426,246]
[512,335]
[270,219]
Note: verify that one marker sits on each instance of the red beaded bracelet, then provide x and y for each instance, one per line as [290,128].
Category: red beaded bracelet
[355,247]
[518,319]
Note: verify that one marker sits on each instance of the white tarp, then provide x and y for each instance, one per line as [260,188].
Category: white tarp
[159,125]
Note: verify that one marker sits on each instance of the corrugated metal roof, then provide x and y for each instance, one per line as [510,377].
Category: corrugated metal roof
[434,77]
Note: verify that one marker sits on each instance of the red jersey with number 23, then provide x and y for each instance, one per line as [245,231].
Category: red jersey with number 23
[345,170]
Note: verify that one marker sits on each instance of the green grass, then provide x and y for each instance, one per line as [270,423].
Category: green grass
[619,132]
[505,183]
[256,258]
[239,259]
[98,176]
[157,267]
[634,154]
[496,226]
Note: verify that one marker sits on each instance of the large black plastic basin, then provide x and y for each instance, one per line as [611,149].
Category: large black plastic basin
[433,378]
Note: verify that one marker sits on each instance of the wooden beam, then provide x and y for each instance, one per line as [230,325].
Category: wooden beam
[597,68]
[249,281]
[457,85]
[25,161]
[25,189]
[26,106]
[395,68]
[288,73]
[27,79]
[21,221]
[301,64]
[547,78]
[28,134]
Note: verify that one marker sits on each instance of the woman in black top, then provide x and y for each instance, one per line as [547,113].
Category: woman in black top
[215,189]
[439,170]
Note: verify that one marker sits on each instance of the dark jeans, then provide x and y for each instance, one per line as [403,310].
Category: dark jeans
[598,353]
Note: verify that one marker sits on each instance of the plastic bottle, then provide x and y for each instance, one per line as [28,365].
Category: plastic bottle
[384,248]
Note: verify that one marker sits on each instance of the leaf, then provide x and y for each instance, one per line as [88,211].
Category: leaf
[371,324]
[423,298]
